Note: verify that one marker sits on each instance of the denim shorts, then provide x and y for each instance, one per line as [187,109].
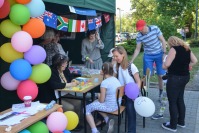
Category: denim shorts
[148,61]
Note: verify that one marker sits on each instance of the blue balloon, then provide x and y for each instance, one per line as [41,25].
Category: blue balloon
[25,131]
[66,131]
[36,8]
[20,69]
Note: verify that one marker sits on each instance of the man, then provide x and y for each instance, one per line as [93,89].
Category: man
[182,32]
[154,49]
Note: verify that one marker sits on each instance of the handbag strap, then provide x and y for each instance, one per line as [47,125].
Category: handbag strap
[130,72]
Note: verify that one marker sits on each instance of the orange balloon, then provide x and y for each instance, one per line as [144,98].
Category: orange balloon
[23,1]
[5,9]
[60,110]
[34,27]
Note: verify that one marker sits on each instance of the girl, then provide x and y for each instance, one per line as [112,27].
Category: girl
[121,69]
[106,100]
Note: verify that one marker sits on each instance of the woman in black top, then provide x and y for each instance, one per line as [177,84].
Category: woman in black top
[179,60]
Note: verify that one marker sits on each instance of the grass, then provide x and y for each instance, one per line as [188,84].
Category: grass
[139,63]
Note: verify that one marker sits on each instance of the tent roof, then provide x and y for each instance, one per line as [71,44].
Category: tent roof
[100,5]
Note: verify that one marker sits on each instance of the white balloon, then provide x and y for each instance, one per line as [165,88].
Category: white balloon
[144,106]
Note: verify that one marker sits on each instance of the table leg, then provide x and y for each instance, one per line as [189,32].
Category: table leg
[59,93]
[84,104]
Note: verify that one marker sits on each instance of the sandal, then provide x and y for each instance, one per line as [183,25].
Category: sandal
[100,124]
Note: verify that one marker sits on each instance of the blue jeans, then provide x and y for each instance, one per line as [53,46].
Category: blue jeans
[175,91]
[131,116]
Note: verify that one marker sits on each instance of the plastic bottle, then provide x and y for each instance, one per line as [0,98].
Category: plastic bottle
[50,105]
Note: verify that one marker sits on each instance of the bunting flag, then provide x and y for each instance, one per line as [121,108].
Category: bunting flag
[98,22]
[106,17]
[62,23]
[80,25]
[72,25]
[91,24]
[83,11]
[44,14]
[50,20]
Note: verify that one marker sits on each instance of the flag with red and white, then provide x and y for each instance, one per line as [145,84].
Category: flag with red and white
[46,13]
[98,22]
[80,25]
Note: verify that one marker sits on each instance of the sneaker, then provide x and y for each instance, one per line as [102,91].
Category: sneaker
[182,126]
[157,116]
[167,126]
[111,126]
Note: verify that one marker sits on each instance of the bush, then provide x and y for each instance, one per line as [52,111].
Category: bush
[194,43]
[130,46]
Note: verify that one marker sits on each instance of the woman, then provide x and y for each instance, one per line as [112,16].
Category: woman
[178,61]
[107,98]
[56,41]
[91,50]
[59,79]
[49,45]
[121,70]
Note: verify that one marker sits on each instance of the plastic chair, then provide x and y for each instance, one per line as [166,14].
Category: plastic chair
[121,108]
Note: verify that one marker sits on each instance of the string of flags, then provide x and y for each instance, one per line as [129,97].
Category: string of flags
[70,25]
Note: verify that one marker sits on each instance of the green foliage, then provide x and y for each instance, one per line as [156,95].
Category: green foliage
[130,46]
[193,43]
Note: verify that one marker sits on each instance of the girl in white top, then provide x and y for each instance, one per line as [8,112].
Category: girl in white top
[121,70]
[107,98]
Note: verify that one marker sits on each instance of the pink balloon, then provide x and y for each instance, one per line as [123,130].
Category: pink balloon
[56,122]
[1,3]
[21,41]
[8,82]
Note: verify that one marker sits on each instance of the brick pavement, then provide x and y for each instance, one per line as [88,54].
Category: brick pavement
[154,126]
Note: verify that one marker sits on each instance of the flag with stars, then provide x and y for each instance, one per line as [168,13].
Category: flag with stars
[91,24]
[81,26]
[62,23]
[50,20]
[98,22]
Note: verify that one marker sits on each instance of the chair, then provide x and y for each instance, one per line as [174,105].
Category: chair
[145,83]
[121,109]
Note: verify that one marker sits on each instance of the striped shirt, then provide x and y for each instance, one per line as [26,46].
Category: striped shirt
[151,42]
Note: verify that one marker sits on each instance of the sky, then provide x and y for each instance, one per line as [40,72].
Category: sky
[123,5]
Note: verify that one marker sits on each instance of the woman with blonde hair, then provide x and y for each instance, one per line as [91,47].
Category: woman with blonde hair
[126,76]
[180,58]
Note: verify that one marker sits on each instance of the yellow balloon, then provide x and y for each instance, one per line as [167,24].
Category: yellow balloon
[9,54]
[40,73]
[12,2]
[8,28]
[73,120]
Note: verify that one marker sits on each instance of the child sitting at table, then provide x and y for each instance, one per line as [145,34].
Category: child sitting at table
[106,101]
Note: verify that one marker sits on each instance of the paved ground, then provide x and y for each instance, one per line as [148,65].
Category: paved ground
[154,126]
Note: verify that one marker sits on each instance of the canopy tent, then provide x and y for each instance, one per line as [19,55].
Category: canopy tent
[60,7]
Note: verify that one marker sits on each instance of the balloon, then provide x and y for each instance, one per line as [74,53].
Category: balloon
[35,55]
[9,54]
[58,132]
[60,110]
[36,8]
[144,106]
[8,82]
[25,131]
[1,3]
[40,73]
[66,131]
[21,41]
[27,88]
[72,118]
[8,28]
[19,14]
[38,127]
[23,1]
[131,90]
[20,69]
[12,2]
[56,121]
[5,9]
[35,27]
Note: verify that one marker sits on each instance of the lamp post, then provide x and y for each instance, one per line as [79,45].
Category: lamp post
[120,19]
[196,32]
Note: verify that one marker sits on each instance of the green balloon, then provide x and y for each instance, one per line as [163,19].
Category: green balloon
[8,28]
[19,14]
[38,127]
[40,73]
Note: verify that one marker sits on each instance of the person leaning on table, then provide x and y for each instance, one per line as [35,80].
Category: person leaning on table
[60,78]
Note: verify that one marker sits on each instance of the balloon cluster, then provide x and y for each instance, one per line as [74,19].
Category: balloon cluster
[22,26]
